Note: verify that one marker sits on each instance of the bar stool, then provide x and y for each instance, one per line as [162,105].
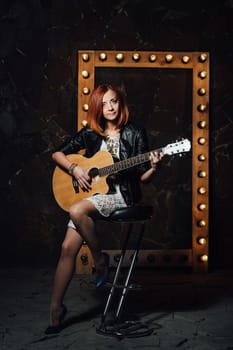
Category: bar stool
[131,215]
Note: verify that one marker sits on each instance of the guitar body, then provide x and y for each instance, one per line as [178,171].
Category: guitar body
[62,183]
[65,187]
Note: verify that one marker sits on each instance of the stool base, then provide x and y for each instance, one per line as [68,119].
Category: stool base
[126,329]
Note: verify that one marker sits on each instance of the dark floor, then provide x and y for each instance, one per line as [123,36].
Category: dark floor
[182,310]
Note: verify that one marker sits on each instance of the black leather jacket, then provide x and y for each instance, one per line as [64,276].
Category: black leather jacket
[133,141]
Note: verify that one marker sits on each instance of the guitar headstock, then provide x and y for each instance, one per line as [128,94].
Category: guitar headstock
[177,147]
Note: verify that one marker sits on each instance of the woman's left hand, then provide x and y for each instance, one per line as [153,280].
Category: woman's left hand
[155,157]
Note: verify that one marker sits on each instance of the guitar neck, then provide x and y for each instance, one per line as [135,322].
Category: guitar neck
[126,163]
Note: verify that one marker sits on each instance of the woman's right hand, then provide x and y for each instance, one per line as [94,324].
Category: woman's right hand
[80,174]
[84,180]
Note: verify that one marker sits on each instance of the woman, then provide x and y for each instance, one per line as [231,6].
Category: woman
[109,129]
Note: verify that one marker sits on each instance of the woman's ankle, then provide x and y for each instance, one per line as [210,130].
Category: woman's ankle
[55,310]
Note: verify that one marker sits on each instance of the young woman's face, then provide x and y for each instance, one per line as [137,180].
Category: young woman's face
[110,105]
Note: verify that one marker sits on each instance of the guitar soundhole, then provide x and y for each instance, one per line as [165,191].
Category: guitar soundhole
[93,172]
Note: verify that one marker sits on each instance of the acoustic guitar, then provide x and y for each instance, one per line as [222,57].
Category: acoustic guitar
[66,189]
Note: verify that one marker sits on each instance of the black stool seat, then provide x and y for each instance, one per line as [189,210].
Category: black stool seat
[138,214]
[132,214]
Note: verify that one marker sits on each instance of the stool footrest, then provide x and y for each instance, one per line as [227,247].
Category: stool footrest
[132,286]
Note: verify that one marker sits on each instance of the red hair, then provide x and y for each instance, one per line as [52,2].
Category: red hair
[95,116]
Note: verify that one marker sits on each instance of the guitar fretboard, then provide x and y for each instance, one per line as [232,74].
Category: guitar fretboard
[126,163]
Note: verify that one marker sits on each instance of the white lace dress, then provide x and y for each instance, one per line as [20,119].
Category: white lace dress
[107,203]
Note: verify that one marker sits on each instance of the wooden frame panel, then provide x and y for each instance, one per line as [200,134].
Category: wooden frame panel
[198,62]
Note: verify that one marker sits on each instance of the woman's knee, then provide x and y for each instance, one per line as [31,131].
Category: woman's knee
[79,210]
[75,211]
[68,249]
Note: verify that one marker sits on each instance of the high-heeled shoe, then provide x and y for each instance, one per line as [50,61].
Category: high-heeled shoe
[56,329]
[102,279]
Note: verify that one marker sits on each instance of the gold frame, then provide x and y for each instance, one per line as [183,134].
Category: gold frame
[198,62]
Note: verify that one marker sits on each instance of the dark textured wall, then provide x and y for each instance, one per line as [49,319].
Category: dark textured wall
[38,102]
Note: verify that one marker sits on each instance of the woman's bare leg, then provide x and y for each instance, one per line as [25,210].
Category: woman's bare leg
[64,272]
[83,214]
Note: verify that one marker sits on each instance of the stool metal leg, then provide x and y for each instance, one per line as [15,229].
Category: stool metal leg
[113,327]
[128,328]
[131,269]
[119,265]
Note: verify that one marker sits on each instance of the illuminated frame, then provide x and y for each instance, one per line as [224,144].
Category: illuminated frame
[198,62]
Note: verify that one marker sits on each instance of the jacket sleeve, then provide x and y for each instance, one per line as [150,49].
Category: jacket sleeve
[141,147]
[133,143]
[73,144]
